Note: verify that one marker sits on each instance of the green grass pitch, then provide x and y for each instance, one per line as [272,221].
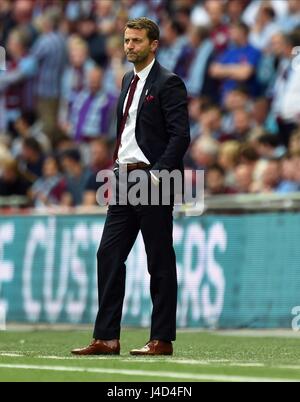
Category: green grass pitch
[199,356]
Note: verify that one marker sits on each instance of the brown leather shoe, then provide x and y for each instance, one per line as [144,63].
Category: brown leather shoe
[154,348]
[98,347]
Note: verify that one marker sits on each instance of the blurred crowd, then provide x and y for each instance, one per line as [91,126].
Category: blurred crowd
[64,68]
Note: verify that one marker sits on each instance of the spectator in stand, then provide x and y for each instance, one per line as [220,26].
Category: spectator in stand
[215,181]
[204,153]
[219,30]
[49,189]
[264,28]
[17,81]
[268,147]
[243,178]
[27,126]
[270,64]
[201,49]
[248,155]
[286,91]
[235,100]
[100,155]
[271,178]
[173,45]
[13,182]
[76,176]
[228,159]
[50,53]
[17,15]
[210,122]
[117,66]
[105,11]
[92,111]
[242,125]
[75,77]
[100,160]
[288,183]
[32,158]
[238,64]
[207,119]
[95,40]
[235,9]
[182,14]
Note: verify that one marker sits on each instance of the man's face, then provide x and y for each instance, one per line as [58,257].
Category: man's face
[237,35]
[78,56]
[9,175]
[215,11]
[137,45]
[215,181]
[98,153]
[243,178]
[271,175]
[50,168]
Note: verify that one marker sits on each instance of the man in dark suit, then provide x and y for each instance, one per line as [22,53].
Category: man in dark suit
[153,135]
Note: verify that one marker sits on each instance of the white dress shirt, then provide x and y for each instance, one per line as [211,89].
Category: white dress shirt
[129,151]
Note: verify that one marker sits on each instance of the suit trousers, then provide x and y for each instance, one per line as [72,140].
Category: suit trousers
[121,229]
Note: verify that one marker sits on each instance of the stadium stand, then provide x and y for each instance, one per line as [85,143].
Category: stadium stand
[64,68]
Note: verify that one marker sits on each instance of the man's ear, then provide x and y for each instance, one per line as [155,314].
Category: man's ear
[154,45]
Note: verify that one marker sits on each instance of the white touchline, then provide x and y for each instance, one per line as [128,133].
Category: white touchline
[212,362]
[141,360]
[163,374]
[160,361]
[192,362]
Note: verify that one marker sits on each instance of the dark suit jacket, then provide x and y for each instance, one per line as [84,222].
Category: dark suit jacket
[162,127]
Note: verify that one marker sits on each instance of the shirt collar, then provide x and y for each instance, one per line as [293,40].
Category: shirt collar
[143,75]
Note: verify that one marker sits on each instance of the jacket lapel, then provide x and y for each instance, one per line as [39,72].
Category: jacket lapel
[148,84]
[123,95]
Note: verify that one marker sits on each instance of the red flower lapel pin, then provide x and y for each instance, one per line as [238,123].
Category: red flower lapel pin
[149,98]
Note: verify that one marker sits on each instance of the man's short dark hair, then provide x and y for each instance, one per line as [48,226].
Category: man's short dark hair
[29,118]
[33,144]
[72,154]
[145,23]
[218,168]
[269,139]
[249,153]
